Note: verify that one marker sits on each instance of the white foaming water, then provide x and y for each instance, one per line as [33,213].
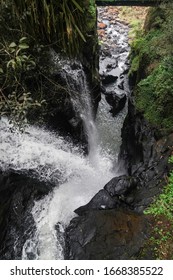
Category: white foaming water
[81,99]
[52,158]
[56,159]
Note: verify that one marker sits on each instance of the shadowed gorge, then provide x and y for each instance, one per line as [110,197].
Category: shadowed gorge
[86,129]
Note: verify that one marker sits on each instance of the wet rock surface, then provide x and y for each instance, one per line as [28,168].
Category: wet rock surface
[102,200]
[63,84]
[147,165]
[120,233]
[111,234]
[116,101]
[120,185]
[17,194]
[145,158]
[114,65]
[108,234]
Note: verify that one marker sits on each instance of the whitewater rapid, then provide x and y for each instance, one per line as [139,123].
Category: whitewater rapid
[55,159]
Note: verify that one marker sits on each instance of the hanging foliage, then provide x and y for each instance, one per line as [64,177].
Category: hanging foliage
[59,22]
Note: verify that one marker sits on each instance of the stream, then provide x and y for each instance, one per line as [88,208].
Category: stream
[53,158]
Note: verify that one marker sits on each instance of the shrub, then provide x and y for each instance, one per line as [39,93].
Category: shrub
[163,205]
[15,62]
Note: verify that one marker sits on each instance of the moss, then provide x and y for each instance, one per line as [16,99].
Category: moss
[152,64]
[155,18]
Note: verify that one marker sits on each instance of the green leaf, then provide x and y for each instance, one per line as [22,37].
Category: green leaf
[80,33]
[23,46]
[22,39]
[32,63]
[12,45]
[18,60]
[12,50]
[12,63]
[1,71]
[77,6]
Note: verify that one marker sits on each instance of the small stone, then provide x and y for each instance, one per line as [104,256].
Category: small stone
[101,32]
[102,25]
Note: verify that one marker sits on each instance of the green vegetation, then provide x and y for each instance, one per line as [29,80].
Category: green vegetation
[61,23]
[16,63]
[152,64]
[161,239]
[29,31]
[163,205]
[135,17]
[152,72]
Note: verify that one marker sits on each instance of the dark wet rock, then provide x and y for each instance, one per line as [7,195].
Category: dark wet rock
[121,85]
[116,101]
[17,194]
[120,185]
[109,67]
[137,140]
[108,79]
[103,90]
[62,115]
[107,234]
[152,179]
[106,52]
[145,158]
[102,200]
[123,50]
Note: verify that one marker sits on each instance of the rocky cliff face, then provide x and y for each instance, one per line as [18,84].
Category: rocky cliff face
[144,155]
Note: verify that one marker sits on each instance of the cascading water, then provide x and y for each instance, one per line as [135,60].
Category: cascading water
[53,158]
[81,100]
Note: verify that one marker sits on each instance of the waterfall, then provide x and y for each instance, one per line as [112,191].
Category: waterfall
[79,92]
[53,158]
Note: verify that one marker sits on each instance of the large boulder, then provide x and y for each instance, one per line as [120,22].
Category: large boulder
[117,102]
[120,185]
[109,79]
[106,234]
[102,200]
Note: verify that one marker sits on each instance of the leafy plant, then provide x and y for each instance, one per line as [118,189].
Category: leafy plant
[15,100]
[163,205]
[61,23]
[18,59]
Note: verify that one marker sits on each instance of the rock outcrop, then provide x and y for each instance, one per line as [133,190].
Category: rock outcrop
[106,234]
[17,194]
